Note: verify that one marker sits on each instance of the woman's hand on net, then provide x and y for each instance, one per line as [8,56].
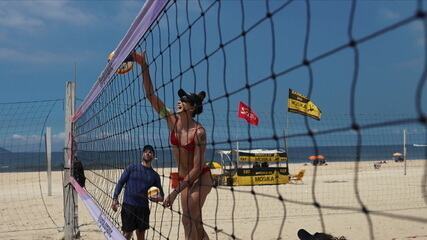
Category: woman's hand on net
[170,199]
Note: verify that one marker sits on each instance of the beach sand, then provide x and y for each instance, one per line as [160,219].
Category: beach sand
[396,205]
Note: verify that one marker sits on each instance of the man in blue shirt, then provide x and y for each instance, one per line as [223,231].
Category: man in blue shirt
[138,178]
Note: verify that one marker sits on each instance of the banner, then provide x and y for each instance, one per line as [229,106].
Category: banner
[106,226]
[246,113]
[262,157]
[298,103]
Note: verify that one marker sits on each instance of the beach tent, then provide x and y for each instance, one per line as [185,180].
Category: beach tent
[246,167]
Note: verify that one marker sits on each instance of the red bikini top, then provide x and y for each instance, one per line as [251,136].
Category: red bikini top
[175,141]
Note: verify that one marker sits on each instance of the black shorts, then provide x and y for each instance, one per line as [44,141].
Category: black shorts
[135,217]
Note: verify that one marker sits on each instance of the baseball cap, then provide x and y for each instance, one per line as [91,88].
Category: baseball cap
[193,98]
[148,147]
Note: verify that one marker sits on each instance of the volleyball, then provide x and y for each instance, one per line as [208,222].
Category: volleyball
[124,67]
[153,192]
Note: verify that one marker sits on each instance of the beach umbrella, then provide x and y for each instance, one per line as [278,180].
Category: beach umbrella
[397,154]
[316,157]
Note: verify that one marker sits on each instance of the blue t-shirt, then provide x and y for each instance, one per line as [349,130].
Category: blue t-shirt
[138,179]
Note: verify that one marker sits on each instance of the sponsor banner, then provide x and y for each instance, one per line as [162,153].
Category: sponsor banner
[109,230]
[261,180]
[258,172]
[265,179]
[252,172]
[298,103]
[262,157]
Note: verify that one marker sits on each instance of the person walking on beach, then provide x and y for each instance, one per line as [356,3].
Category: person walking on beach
[138,178]
[188,141]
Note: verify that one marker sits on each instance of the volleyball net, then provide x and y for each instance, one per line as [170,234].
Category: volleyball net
[341,57]
[27,204]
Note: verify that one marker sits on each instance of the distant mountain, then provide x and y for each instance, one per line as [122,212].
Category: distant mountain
[2,150]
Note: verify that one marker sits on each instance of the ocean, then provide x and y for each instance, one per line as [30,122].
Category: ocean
[29,161]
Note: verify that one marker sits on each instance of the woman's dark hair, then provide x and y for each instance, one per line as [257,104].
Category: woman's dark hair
[194,99]
[199,105]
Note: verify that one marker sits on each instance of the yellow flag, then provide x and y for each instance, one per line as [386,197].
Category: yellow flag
[298,103]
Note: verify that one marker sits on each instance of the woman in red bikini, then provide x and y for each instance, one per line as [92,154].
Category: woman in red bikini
[188,140]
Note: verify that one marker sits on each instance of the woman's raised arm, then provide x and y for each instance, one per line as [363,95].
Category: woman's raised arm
[155,101]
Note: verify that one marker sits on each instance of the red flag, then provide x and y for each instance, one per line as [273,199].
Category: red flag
[246,113]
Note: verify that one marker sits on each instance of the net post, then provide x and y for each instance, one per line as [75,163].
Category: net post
[48,139]
[70,196]
[404,151]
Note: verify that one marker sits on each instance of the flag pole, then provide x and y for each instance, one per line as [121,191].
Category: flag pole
[286,129]
[285,133]
[404,151]
[237,144]
[237,140]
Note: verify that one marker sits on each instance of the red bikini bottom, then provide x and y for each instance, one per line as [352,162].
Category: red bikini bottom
[176,179]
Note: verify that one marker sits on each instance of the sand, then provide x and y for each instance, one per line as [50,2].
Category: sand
[396,205]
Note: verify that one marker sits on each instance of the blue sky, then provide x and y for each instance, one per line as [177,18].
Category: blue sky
[41,40]
[390,65]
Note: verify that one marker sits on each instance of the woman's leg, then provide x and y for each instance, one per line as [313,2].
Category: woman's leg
[198,195]
[140,234]
[185,218]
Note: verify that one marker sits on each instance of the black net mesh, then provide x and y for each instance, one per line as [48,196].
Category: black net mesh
[26,206]
[338,54]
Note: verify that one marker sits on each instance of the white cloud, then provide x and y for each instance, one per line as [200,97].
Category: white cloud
[32,142]
[417,26]
[58,137]
[127,11]
[42,57]
[60,11]
[25,56]
[31,15]
[417,29]
[18,137]
[413,63]
[389,14]
[36,18]
[26,138]
[13,19]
